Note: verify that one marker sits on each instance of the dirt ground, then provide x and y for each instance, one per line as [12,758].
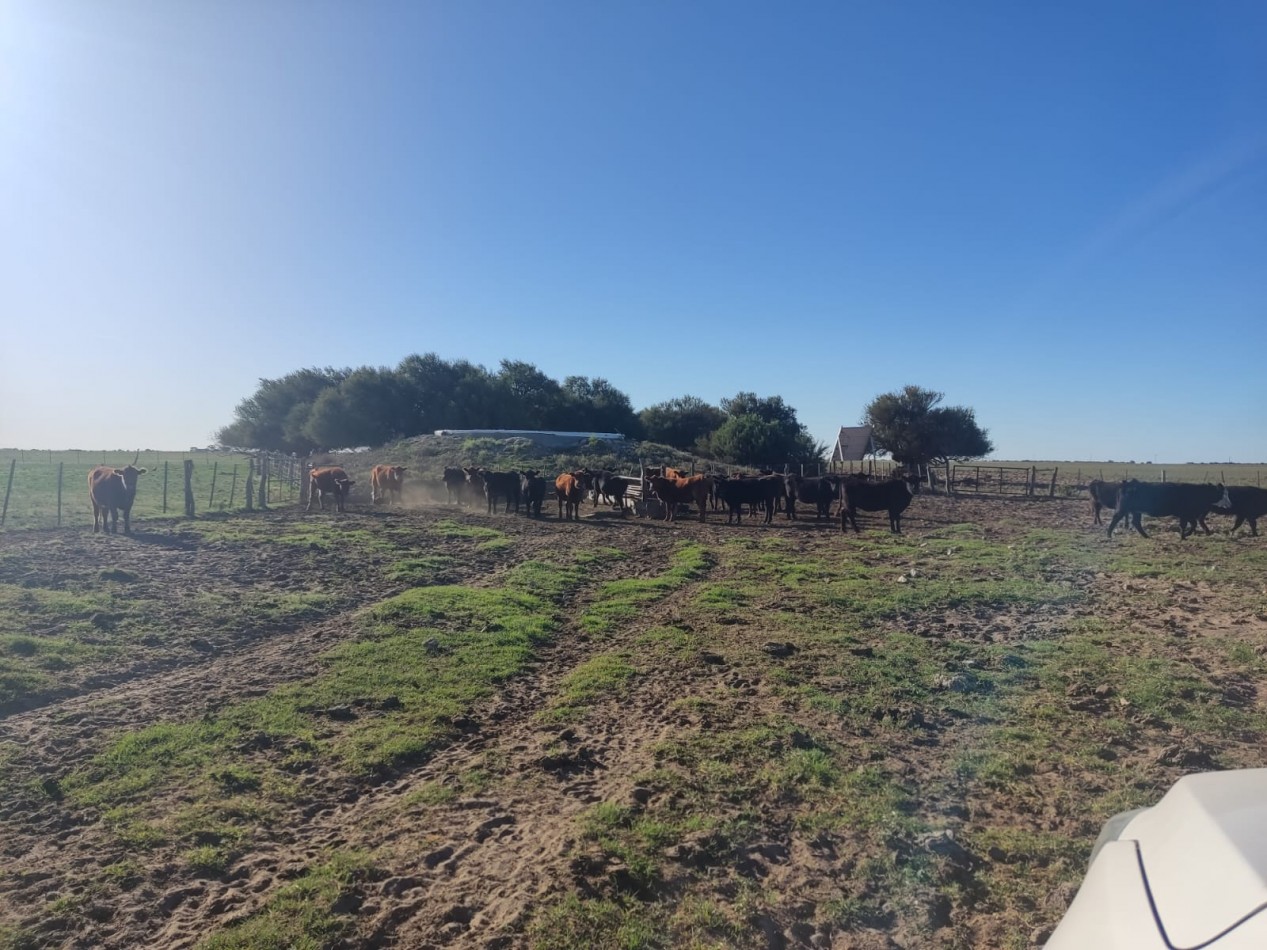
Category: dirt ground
[475,864]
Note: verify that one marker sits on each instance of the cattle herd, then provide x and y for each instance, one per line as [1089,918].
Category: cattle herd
[663,491]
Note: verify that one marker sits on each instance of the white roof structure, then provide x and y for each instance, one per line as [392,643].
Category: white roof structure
[853,444]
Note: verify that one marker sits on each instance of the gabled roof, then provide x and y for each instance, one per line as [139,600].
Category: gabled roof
[853,444]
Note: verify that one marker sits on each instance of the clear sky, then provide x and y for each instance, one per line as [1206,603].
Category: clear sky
[1054,213]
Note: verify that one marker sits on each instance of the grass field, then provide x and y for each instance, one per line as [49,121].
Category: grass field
[33,497]
[401,726]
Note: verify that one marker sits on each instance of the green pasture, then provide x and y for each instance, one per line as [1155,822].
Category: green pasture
[34,492]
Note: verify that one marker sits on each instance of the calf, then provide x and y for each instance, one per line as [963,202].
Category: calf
[680,491]
[818,491]
[569,488]
[1247,504]
[532,488]
[495,485]
[455,484]
[386,480]
[1103,495]
[331,480]
[756,492]
[1188,503]
[112,489]
[893,496]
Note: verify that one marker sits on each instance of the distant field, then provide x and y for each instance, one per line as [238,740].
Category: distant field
[33,497]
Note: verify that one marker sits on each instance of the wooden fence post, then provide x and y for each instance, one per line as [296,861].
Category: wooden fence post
[263,499]
[233,485]
[1033,476]
[250,484]
[4,512]
[211,502]
[1052,493]
[59,494]
[189,488]
[164,486]
[303,482]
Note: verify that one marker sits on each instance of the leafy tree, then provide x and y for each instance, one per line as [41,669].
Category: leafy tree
[915,429]
[762,431]
[596,405]
[270,419]
[367,408]
[680,422]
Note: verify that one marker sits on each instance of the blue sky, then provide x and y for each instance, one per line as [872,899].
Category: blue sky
[1053,213]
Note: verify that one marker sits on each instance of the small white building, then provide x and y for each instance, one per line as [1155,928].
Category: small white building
[853,444]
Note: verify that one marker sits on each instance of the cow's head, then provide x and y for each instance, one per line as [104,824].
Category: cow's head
[128,475]
[344,485]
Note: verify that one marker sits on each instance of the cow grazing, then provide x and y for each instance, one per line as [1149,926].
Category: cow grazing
[819,492]
[893,496]
[680,491]
[1103,495]
[386,481]
[1188,503]
[758,493]
[569,488]
[330,480]
[532,488]
[1247,504]
[110,490]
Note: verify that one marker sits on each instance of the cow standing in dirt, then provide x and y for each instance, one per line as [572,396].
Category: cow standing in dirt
[330,480]
[893,496]
[1188,503]
[386,481]
[112,489]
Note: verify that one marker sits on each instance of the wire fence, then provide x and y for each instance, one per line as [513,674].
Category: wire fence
[50,489]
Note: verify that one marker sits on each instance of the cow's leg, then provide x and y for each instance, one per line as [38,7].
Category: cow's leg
[1253,526]
[1095,511]
[96,518]
[1135,523]
[1117,516]
[127,520]
[114,520]
[1204,526]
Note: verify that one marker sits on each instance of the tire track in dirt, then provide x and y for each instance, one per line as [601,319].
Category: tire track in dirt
[508,847]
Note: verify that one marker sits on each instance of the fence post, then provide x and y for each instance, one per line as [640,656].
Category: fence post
[59,493]
[1033,476]
[5,511]
[189,488]
[1052,493]
[304,480]
[211,501]
[263,498]
[1163,476]
[233,485]
[164,486]
[250,484]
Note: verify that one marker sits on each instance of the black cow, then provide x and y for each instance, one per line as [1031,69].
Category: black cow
[1247,504]
[532,489]
[1103,495]
[112,489]
[1188,503]
[496,485]
[755,492]
[819,491]
[455,483]
[612,487]
[893,496]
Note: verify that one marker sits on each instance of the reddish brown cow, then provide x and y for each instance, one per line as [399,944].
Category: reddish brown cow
[681,491]
[112,489]
[385,480]
[331,480]
[569,488]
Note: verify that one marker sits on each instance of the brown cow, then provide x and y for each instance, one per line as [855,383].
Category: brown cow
[385,480]
[680,491]
[111,489]
[331,480]
[569,488]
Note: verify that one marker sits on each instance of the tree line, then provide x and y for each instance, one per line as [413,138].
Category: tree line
[316,409]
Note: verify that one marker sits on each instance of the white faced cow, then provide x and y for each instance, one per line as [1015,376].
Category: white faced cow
[111,489]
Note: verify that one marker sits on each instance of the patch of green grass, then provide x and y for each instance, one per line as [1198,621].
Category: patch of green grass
[19,938]
[207,860]
[602,676]
[311,912]
[576,923]
[448,528]
[620,601]
[425,569]
[383,702]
